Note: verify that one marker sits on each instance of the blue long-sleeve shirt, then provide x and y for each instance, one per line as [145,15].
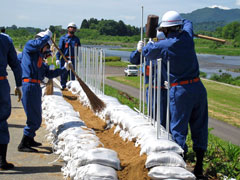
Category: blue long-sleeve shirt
[178,48]
[8,56]
[65,42]
[32,63]
[135,59]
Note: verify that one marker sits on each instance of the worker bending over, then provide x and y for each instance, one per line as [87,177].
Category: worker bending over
[33,72]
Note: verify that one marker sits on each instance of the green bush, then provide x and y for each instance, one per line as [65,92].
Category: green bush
[112,59]
[203,74]
[226,78]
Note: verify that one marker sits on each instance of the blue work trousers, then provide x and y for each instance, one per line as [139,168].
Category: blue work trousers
[188,105]
[64,76]
[5,111]
[32,104]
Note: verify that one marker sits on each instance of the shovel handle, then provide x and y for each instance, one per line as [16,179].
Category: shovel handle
[209,38]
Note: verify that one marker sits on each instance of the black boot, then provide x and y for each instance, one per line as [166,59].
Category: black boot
[4,165]
[198,170]
[33,143]
[24,146]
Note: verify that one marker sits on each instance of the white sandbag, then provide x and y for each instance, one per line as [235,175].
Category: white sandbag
[158,145]
[165,159]
[103,156]
[95,172]
[165,172]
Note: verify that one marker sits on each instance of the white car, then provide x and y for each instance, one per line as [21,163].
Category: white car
[131,70]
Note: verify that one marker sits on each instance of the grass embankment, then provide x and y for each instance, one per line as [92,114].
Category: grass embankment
[222,157]
[223,101]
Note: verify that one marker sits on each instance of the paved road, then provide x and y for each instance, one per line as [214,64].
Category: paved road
[29,166]
[220,129]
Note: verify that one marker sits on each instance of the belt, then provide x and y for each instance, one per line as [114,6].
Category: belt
[3,77]
[186,82]
[32,80]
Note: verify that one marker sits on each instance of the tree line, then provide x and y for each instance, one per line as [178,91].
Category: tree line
[95,29]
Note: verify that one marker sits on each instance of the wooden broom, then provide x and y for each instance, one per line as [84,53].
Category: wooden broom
[96,103]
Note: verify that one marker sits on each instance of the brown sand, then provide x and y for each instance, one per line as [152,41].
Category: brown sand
[132,163]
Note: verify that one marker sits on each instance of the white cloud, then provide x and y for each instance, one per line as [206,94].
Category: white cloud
[238,2]
[220,7]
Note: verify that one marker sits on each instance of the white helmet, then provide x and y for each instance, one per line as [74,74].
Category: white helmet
[171,18]
[72,24]
[43,33]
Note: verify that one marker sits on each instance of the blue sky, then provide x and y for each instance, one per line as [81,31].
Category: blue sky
[43,13]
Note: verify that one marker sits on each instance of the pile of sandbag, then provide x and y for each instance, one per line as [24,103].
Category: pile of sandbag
[80,148]
[164,156]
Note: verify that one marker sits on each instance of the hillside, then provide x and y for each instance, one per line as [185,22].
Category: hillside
[209,19]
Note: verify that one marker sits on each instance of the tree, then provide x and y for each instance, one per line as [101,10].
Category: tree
[84,24]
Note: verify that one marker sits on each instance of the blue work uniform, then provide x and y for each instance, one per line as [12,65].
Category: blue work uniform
[135,59]
[65,42]
[188,96]
[8,56]
[33,71]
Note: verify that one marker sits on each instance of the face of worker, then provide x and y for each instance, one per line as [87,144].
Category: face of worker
[71,30]
[45,48]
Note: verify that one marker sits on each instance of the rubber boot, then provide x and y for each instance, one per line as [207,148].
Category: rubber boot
[4,165]
[24,146]
[198,170]
[33,143]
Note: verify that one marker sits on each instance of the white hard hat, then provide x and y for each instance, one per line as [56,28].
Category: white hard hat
[160,35]
[43,33]
[72,24]
[171,18]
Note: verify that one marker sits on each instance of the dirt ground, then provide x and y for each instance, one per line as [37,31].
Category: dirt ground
[132,163]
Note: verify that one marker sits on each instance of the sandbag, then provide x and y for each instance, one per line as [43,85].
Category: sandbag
[165,172]
[165,159]
[95,172]
[103,156]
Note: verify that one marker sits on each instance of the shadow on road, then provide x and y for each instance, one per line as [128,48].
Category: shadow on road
[33,170]
[16,126]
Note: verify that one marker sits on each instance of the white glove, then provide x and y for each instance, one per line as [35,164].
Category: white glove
[57,62]
[165,84]
[18,92]
[48,32]
[68,65]
[51,67]
[140,46]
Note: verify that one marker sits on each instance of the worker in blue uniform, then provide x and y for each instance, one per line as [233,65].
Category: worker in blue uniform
[34,69]
[188,96]
[8,56]
[68,41]
[135,59]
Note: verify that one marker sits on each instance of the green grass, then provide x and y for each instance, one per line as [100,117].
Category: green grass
[222,157]
[223,101]
[118,63]
[125,49]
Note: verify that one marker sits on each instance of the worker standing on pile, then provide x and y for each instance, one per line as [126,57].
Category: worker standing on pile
[8,56]
[67,44]
[188,96]
[135,59]
[34,69]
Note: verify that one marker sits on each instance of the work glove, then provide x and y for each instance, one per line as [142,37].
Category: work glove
[57,62]
[165,84]
[140,46]
[68,65]
[51,67]
[18,92]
